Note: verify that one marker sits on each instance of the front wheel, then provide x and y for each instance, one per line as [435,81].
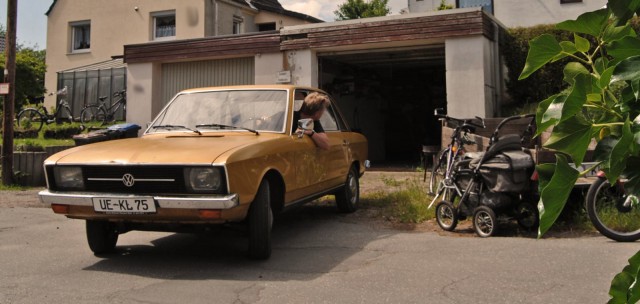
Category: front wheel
[29,119]
[93,114]
[260,223]
[484,221]
[613,213]
[101,236]
[347,198]
[446,216]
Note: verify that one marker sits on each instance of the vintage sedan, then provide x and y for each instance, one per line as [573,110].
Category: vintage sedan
[212,156]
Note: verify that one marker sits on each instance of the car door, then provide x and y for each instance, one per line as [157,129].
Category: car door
[316,169]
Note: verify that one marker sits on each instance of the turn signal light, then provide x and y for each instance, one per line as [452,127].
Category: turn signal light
[209,214]
[60,208]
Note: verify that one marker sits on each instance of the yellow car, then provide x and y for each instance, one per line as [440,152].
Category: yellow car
[212,156]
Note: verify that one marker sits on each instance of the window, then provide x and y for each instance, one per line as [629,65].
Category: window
[237,24]
[80,36]
[267,27]
[570,1]
[487,5]
[164,25]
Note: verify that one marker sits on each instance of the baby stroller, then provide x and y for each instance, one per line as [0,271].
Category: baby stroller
[491,186]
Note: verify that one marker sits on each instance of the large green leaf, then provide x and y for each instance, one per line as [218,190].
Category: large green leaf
[554,193]
[591,23]
[632,172]
[613,33]
[624,285]
[623,10]
[620,153]
[603,149]
[542,50]
[572,137]
[624,48]
[628,69]
[542,123]
[583,45]
[605,77]
[572,69]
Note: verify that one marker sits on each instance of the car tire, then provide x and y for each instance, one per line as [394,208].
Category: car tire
[101,236]
[347,197]
[260,223]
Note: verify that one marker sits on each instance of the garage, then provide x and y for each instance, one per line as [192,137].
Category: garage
[195,74]
[389,95]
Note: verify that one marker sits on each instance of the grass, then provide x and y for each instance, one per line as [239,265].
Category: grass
[406,203]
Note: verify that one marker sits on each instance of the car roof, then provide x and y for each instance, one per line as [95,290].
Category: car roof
[251,87]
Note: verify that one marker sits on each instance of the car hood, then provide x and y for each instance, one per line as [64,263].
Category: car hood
[161,149]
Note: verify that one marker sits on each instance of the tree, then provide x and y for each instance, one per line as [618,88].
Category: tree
[601,103]
[30,70]
[356,9]
[444,6]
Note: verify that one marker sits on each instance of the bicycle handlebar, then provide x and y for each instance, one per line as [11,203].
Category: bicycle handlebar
[461,121]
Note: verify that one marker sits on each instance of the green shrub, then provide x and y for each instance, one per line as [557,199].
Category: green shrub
[62,131]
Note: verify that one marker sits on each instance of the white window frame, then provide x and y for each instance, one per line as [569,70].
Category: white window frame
[237,25]
[74,26]
[154,25]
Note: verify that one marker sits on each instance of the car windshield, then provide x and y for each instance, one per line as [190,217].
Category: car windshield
[237,110]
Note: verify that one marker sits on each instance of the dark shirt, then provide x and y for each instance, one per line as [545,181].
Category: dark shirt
[317,126]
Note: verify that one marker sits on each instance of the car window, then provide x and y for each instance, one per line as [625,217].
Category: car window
[328,120]
[262,110]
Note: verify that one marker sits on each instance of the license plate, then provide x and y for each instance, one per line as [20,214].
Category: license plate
[124,205]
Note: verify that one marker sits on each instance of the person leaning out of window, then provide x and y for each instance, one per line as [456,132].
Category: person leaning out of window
[314,106]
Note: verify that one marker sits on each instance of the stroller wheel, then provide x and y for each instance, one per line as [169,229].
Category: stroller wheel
[527,215]
[446,215]
[484,221]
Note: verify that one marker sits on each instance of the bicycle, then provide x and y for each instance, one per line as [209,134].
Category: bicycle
[35,118]
[613,212]
[442,170]
[103,113]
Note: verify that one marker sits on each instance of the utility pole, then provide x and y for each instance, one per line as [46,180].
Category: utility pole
[9,100]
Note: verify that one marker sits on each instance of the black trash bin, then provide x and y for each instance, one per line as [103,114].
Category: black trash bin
[127,130]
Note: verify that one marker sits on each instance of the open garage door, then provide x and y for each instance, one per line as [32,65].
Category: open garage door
[390,96]
[195,74]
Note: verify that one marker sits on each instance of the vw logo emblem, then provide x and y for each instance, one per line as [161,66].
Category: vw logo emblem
[128,180]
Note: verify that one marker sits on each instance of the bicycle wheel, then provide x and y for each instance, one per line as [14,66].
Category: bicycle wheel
[611,212]
[437,171]
[93,114]
[30,119]
[64,115]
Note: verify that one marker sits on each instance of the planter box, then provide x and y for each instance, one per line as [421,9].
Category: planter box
[29,166]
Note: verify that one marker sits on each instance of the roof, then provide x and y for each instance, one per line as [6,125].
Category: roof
[266,5]
[103,65]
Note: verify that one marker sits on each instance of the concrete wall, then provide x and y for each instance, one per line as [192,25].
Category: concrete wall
[303,65]
[143,86]
[267,66]
[513,13]
[469,81]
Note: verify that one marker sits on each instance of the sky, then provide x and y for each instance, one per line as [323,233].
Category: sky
[32,21]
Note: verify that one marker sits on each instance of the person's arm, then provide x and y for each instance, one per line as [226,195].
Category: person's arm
[320,139]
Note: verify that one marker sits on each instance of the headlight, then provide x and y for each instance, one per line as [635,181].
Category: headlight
[68,177]
[207,179]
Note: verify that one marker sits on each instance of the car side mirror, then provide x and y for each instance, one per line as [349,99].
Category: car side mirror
[304,124]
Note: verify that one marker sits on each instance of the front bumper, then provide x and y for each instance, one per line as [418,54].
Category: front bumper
[218,201]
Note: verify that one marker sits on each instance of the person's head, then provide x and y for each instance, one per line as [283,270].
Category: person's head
[314,105]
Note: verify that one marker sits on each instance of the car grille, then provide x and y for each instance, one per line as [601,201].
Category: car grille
[147,179]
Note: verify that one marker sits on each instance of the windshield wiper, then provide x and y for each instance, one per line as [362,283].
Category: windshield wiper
[176,127]
[221,126]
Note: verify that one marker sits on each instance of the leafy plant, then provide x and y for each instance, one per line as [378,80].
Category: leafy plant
[356,9]
[601,104]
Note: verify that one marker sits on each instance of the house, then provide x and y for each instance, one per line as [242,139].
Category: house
[86,37]
[516,13]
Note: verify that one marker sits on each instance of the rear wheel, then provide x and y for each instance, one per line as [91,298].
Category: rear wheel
[347,198]
[438,171]
[612,212]
[29,119]
[260,223]
[484,221]
[93,114]
[101,236]
[447,216]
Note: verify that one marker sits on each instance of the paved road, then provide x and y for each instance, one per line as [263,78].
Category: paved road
[319,257]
